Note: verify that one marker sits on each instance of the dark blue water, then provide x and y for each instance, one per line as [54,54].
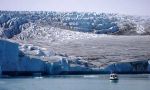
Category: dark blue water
[77,82]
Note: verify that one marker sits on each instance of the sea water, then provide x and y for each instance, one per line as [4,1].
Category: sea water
[77,82]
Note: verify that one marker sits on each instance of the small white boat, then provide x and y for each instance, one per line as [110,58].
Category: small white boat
[113,76]
[38,77]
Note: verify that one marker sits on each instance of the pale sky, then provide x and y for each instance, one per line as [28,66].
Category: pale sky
[131,7]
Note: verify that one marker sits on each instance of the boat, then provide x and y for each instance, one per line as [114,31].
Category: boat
[113,76]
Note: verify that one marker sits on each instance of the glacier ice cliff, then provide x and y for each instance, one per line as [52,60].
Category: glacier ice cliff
[129,67]
[15,62]
[8,56]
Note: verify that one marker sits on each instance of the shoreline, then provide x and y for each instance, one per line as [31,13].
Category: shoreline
[43,74]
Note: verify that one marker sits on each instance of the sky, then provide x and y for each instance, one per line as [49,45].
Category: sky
[130,7]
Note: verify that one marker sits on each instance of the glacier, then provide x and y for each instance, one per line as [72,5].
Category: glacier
[73,43]
[14,22]
[13,62]
[8,56]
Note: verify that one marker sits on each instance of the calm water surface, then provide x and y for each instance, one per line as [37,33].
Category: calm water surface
[77,82]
